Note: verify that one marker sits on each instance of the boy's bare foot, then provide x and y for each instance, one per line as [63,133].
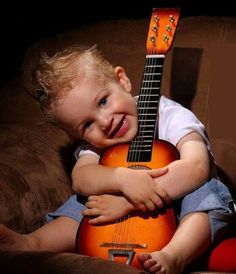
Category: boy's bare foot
[11,240]
[159,262]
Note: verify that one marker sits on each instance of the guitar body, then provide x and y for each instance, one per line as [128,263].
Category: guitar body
[139,232]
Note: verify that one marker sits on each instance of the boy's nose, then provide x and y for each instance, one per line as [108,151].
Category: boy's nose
[105,122]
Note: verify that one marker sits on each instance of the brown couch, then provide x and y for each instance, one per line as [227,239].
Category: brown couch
[36,158]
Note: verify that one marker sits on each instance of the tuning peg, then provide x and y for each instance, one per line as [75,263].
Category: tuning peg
[152,38]
[168,28]
[156,18]
[172,18]
[154,28]
[165,38]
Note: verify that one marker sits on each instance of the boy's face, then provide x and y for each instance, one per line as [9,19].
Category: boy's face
[101,115]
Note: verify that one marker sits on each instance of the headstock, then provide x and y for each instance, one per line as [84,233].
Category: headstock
[162,28]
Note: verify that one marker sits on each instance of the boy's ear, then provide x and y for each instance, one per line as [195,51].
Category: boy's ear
[123,79]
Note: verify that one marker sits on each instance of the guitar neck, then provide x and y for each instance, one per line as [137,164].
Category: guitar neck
[149,96]
[161,32]
[148,103]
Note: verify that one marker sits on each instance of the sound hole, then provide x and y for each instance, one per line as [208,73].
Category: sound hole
[138,167]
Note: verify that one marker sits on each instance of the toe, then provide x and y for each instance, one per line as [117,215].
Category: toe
[144,257]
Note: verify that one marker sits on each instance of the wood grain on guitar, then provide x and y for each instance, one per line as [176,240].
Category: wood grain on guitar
[139,232]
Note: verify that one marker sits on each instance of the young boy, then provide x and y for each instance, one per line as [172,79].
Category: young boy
[91,100]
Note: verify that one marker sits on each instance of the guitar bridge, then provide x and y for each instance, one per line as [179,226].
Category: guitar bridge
[124,245]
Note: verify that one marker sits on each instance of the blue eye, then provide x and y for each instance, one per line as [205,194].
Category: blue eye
[103,101]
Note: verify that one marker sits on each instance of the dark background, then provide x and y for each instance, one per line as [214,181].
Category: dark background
[21,23]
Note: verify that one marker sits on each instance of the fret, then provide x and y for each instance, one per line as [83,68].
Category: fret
[149,73]
[140,145]
[153,77]
[140,150]
[147,114]
[151,101]
[150,88]
[157,81]
[142,95]
[147,117]
[150,81]
[146,98]
[146,131]
[147,136]
[138,137]
[153,66]
[144,109]
[146,120]
[149,120]
[148,108]
[157,66]
[142,141]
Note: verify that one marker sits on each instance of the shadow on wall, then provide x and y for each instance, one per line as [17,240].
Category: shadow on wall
[67,155]
[226,179]
[184,74]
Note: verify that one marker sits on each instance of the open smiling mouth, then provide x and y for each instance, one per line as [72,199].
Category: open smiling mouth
[118,130]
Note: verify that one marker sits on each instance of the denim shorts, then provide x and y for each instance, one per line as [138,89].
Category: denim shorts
[213,197]
[71,208]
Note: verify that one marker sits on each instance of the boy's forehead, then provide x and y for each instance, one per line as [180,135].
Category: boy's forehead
[82,92]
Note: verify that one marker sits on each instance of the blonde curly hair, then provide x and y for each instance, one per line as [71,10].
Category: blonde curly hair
[56,75]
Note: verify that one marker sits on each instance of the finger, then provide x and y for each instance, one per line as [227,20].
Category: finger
[91,212]
[98,220]
[150,205]
[92,198]
[158,172]
[166,198]
[162,193]
[142,207]
[91,204]
[157,201]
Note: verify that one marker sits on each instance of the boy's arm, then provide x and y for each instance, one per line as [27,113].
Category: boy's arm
[89,177]
[190,171]
[138,186]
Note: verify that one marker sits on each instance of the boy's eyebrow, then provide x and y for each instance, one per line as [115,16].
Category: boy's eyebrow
[98,95]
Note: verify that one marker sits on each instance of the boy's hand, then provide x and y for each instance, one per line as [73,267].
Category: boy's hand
[140,188]
[106,208]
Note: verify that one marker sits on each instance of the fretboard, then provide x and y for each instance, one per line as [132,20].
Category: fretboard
[140,149]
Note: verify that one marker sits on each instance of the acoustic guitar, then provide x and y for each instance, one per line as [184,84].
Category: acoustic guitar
[138,232]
